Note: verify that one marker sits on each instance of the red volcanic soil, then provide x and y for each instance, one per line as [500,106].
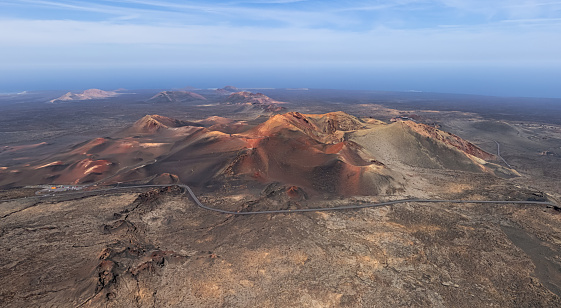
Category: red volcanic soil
[294,192]
[307,151]
[165,178]
[88,146]
[84,168]
[82,171]
[329,127]
[303,162]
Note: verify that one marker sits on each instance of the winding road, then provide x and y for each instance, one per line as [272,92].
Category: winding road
[338,208]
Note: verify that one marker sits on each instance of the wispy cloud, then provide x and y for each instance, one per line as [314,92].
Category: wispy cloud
[272,1]
[534,20]
[506,8]
[368,7]
[81,43]
[356,15]
[126,32]
[200,13]
[67,5]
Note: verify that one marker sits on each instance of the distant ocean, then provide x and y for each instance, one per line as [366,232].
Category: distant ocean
[482,80]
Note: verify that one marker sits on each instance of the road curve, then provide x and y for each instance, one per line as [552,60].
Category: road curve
[338,208]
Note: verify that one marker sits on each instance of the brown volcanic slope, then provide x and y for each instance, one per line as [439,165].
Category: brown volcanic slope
[333,152]
[86,95]
[254,101]
[176,97]
[406,143]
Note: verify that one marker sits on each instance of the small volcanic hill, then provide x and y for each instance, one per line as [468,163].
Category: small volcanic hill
[176,97]
[410,144]
[86,95]
[227,90]
[224,125]
[231,88]
[152,123]
[309,151]
[329,127]
[254,101]
[326,153]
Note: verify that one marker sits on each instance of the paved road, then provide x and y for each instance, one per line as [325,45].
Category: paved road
[338,208]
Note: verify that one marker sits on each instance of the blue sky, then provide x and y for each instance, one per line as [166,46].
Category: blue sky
[483,47]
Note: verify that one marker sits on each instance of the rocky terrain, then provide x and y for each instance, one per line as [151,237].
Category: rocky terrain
[156,248]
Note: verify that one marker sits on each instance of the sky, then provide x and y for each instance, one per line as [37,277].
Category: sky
[499,47]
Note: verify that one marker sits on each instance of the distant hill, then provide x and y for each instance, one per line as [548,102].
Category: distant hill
[86,95]
[227,90]
[176,97]
[254,101]
[154,123]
